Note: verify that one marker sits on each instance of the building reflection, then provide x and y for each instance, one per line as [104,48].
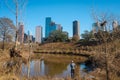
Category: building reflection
[37,68]
[42,67]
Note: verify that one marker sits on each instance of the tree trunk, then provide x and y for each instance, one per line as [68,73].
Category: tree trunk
[3,46]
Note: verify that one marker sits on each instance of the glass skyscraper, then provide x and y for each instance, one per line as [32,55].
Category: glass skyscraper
[51,26]
[76,28]
[47,25]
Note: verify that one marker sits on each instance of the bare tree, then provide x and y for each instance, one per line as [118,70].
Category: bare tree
[7,30]
[105,20]
[16,7]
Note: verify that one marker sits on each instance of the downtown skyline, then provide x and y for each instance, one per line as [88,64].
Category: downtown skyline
[61,11]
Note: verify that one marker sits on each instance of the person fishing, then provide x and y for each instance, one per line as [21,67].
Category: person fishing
[72,66]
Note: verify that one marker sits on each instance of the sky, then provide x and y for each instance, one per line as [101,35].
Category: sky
[62,12]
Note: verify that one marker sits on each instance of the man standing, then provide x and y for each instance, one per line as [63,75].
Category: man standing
[72,66]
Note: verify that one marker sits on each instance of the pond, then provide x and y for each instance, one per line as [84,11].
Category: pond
[36,68]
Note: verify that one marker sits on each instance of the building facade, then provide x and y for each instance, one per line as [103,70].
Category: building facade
[38,35]
[99,26]
[25,38]
[21,32]
[76,28]
[51,26]
[115,25]
[95,27]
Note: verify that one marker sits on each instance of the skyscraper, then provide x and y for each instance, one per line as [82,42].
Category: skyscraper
[25,38]
[51,26]
[21,32]
[59,27]
[99,26]
[95,27]
[38,36]
[76,28]
[115,25]
[47,25]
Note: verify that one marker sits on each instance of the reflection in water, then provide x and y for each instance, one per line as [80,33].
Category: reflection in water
[44,68]
[35,68]
[82,69]
[66,72]
[54,68]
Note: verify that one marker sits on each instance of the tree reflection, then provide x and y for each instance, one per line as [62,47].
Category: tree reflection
[54,68]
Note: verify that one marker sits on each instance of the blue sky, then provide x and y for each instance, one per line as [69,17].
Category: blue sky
[62,12]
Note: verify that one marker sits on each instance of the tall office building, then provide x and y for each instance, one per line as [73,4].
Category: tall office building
[51,26]
[99,26]
[47,25]
[115,25]
[76,28]
[38,36]
[25,38]
[21,32]
[95,27]
[59,27]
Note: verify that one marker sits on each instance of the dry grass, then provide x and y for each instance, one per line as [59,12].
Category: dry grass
[59,58]
[113,50]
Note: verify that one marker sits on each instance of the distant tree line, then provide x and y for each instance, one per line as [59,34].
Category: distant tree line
[57,36]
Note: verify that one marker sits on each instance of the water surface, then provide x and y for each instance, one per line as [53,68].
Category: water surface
[36,68]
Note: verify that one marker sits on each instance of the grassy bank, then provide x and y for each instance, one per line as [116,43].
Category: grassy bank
[12,71]
[59,58]
[107,55]
[97,57]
